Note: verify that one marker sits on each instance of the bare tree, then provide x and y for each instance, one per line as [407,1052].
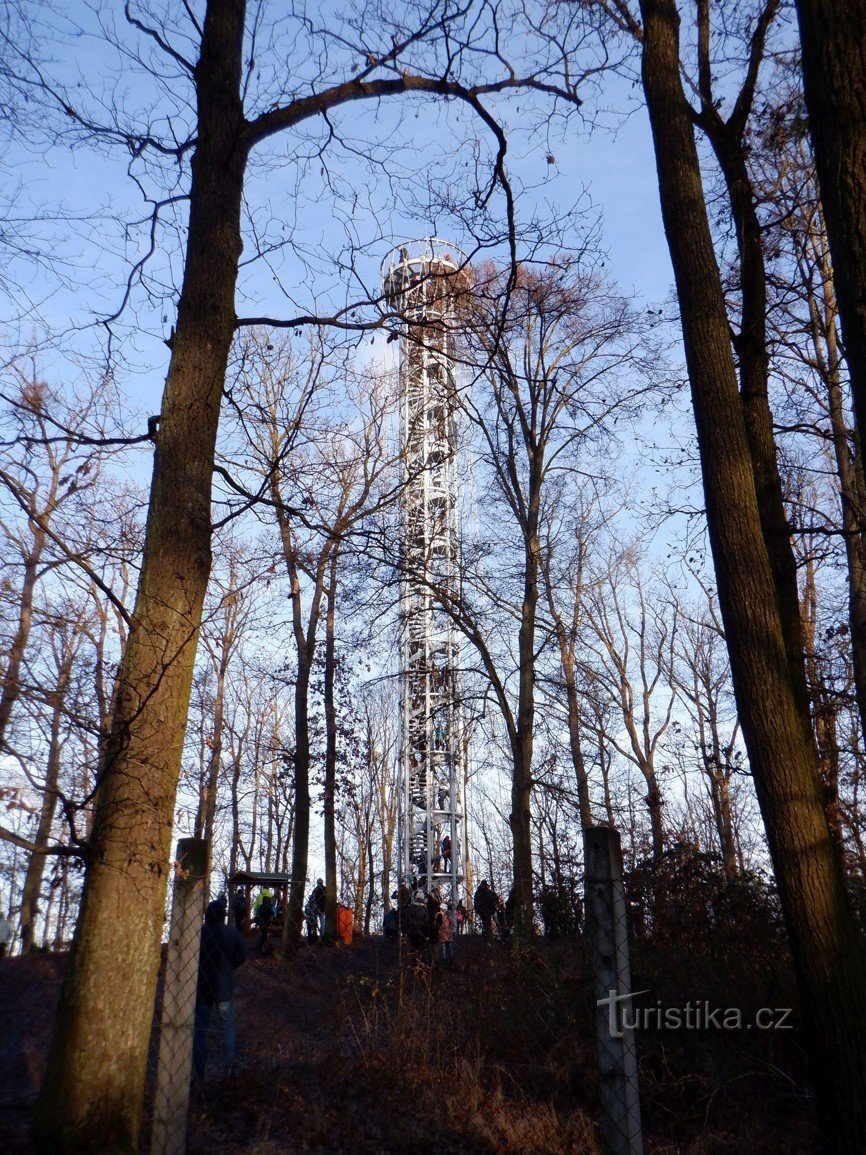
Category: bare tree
[770,693]
[547,385]
[632,634]
[236,103]
[701,675]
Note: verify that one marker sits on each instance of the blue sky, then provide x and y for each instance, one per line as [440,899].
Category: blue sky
[86,258]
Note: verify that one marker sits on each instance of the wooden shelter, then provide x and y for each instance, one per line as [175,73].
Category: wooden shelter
[241,885]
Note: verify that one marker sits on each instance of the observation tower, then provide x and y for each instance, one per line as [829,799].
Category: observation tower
[422,283]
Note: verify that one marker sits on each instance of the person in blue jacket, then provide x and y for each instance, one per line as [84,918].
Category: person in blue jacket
[222,952]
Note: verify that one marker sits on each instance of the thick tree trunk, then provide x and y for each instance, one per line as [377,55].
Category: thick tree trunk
[833,39]
[826,946]
[93,1088]
[751,346]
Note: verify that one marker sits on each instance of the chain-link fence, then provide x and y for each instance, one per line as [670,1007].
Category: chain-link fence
[493,1046]
[522,1045]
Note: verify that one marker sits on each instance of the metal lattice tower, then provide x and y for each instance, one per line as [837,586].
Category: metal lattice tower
[422,282]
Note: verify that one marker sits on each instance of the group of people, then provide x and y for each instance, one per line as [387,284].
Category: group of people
[425,919]
[266,912]
[496,917]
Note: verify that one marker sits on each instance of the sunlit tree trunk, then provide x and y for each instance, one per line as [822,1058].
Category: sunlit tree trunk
[826,946]
[93,1086]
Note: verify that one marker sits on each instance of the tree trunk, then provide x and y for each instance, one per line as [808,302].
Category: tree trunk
[36,865]
[566,657]
[330,757]
[826,945]
[301,832]
[721,793]
[833,40]
[206,817]
[521,783]
[654,801]
[94,1082]
[12,673]
[825,710]
[751,346]
[823,318]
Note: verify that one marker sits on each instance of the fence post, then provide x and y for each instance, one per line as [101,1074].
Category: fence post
[174,1066]
[607,933]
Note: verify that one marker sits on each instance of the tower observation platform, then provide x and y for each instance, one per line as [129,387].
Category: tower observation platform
[423,282]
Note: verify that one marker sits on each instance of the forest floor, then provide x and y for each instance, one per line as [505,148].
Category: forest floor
[360,1050]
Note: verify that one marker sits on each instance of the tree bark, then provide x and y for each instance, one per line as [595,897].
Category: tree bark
[93,1088]
[833,40]
[826,945]
[729,145]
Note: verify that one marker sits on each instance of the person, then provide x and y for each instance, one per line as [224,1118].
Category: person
[391,923]
[264,893]
[550,912]
[446,853]
[5,934]
[222,951]
[486,904]
[444,927]
[311,917]
[433,900]
[317,898]
[264,918]
[240,910]
[417,927]
[460,917]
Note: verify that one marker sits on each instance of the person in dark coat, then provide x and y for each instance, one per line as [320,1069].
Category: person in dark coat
[241,910]
[317,898]
[222,952]
[264,918]
[417,926]
[486,902]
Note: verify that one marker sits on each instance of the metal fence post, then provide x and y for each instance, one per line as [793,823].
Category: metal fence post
[174,1066]
[607,932]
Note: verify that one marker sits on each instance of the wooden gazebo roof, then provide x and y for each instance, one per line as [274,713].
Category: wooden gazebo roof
[257,878]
